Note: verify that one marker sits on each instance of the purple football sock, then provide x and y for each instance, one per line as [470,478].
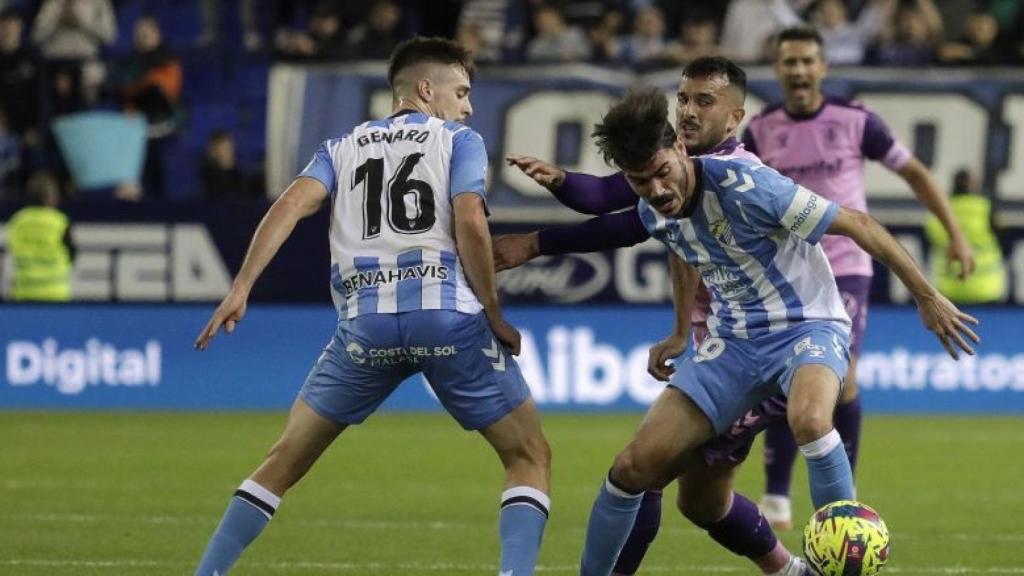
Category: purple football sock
[743,530]
[847,423]
[645,528]
[779,455]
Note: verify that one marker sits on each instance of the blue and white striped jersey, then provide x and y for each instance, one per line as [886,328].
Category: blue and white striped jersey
[392,227]
[753,236]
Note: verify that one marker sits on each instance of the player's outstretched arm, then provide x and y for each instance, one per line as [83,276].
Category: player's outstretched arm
[583,193]
[300,200]
[473,242]
[938,314]
[685,282]
[928,192]
[605,232]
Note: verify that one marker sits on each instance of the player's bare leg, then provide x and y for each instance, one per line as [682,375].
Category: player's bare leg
[654,457]
[813,394]
[526,456]
[305,437]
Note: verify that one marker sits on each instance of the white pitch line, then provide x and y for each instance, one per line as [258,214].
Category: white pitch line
[72,518]
[448,567]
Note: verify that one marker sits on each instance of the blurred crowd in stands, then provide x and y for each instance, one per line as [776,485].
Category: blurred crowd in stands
[60,57]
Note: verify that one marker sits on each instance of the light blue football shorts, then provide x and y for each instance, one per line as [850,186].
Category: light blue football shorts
[726,377]
[473,375]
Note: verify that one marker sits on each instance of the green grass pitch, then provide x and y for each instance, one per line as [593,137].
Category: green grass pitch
[407,494]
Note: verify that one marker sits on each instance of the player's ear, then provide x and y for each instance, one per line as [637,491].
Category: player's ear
[680,145]
[735,118]
[425,89]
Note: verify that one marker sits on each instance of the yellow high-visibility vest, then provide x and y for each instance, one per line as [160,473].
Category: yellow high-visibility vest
[42,262]
[988,282]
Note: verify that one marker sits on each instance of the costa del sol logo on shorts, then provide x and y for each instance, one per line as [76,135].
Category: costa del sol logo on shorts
[356,353]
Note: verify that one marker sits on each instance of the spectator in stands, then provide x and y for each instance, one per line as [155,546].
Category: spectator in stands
[645,47]
[974,213]
[555,41]
[211,12]
[496,24]
[751,24]
[20,81]
[916,35]
[978,45]
[149,82]
[698,38]
[604,37]
[10,162]
[377,38]
[846,42]
[71,34]
[219,172]
[324,39]
[39,239]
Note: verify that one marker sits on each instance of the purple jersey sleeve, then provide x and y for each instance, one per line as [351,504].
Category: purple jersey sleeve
[879,144]
[605,232]
[588,194]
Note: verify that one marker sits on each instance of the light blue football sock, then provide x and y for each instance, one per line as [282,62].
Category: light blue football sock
[611,520]
[828,469]
[248,513]
[524,513]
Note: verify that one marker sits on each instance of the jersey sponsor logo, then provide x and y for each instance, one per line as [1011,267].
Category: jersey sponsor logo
[418,136]
[71,370]
[356,352]
[731,286]
[810,207]
[819,169]
[377,278]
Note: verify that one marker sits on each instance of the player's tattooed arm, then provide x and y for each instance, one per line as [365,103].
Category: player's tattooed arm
[928,192]
[473,242]
[301,199]
[939,315]
[685,282]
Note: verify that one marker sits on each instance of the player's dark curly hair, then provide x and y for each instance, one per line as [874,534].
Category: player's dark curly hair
[711,66]
[634,129]
[419,49]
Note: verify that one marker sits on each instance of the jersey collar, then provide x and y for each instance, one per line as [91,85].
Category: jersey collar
[403,112]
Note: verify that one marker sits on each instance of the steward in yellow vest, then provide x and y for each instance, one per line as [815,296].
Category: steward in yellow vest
[974,212]
[39,241]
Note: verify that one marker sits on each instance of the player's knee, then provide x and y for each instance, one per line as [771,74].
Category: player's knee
[633,472]
[702,511]
[809,425]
